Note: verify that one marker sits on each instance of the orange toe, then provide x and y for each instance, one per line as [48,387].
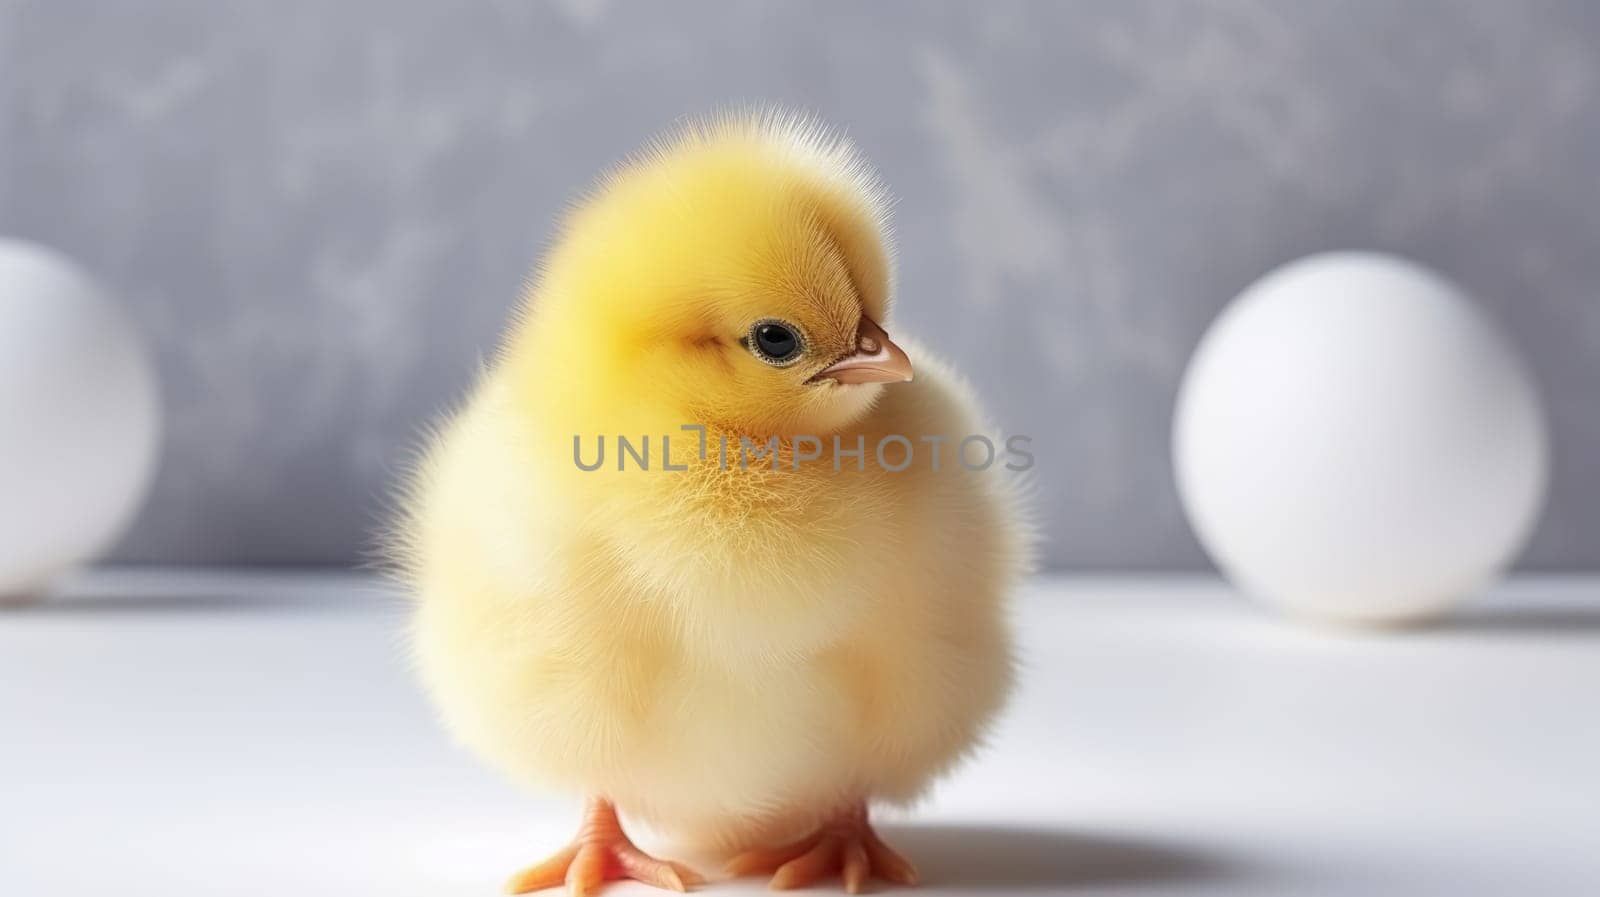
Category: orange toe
[846,846]
[547,874]
[601,852]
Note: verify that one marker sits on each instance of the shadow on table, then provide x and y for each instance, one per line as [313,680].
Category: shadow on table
[1529,621]
[991,859]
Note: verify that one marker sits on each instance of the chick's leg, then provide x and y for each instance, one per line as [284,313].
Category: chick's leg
[599,853]
[846,845]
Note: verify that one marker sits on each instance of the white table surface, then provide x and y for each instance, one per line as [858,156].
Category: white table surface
[178,733]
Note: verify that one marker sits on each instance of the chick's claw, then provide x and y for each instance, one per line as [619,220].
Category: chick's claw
[847,846]
[601,853]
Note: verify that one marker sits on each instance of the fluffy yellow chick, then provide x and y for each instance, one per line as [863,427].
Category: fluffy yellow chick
[741,655]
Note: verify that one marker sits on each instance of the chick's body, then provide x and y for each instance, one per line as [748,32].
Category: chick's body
[729,651]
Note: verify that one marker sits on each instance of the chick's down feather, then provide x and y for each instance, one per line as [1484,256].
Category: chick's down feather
[735,651]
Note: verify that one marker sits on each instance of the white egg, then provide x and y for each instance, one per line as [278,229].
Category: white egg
[1355,442]
[79,418]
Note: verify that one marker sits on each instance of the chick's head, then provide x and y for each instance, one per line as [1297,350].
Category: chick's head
[736,275]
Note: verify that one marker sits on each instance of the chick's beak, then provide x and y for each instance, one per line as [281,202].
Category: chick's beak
[876,359]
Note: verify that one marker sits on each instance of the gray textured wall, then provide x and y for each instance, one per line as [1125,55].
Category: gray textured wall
[320,211]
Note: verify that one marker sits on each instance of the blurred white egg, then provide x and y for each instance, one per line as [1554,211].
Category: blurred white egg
[79,418]
[1354,441]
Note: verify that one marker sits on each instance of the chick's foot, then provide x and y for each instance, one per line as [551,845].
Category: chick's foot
[847,845]
[600,853]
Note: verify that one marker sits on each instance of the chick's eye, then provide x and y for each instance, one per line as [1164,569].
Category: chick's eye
[775,342]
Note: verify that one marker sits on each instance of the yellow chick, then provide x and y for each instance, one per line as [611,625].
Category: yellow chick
[745,623]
